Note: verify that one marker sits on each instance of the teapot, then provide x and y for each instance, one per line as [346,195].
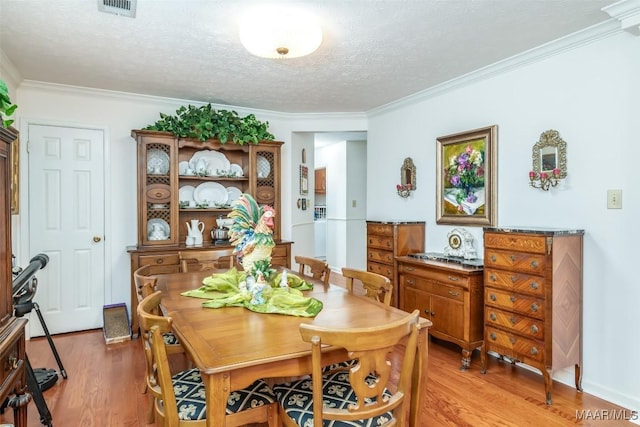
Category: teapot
[201,166]
[195,229]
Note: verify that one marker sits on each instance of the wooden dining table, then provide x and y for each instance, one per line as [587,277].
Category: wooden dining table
[233,346]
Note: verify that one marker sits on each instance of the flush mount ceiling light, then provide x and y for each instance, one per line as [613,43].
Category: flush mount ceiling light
[274,32]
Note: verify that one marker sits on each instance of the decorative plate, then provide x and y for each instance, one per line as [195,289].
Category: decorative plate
[184,168]
[210,193]
[237,169]
[234,194]
[264,168]
[157,162]
[158,223]
[186,193]
[214,160]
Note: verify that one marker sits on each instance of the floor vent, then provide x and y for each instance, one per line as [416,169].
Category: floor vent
[118,7]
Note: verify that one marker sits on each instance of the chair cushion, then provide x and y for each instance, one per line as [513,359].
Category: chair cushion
[296,399]
[170,339]
[190,396]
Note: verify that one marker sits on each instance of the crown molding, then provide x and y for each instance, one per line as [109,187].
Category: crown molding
[627,12]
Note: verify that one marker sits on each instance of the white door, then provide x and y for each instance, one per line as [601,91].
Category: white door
[66,222]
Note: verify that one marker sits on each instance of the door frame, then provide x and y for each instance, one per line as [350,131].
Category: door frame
[20,222]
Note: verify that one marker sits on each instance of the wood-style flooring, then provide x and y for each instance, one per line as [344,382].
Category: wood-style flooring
[104,385]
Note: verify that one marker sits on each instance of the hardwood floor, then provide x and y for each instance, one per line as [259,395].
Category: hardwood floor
[104,386]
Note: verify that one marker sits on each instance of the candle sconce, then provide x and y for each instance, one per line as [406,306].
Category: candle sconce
[549,161]
[407,178]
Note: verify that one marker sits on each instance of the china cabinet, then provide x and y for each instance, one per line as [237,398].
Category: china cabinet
[533,299]
[12,334]
[448,294]
[386,241]
[182,180]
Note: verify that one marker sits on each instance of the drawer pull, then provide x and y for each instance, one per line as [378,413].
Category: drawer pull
[492,258]
[492,277]
[534,307]
[493,336]
[534,264]
[493,316]
[388,272]
[534,329]
[534,286]
[429,313]
[534,351]
[512,320]
[411,281]
[389,258]
[513,279]
[388,244]
[512,340]
[512,298]
[454,293]
[513,258]
[453,278]
[410,268]
[492,297]
[159,261]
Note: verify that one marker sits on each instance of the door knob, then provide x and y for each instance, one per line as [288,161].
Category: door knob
[97,238]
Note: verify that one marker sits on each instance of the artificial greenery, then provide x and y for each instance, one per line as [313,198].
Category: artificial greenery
[205,122]
[6,107]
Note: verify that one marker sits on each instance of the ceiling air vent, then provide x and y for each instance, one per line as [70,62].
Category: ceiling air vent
[118,7]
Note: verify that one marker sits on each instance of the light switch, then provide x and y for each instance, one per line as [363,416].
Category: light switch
[353,203]
[614,199]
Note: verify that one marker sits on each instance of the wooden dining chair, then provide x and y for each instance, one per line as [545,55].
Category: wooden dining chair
[376,286]
[360,395]
[213,259]
[179,398]
[314,267]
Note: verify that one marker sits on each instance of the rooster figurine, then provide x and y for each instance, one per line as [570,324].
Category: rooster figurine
[252,234]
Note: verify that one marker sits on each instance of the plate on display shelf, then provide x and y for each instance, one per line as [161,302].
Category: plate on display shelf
[234,194]
[158,229]
[236,169]
[157,162]
[264,168]
[186,193]
[213,160]
[184,169]
[211,194]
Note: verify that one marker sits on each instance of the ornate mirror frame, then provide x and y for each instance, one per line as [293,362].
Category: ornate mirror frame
[408,173]
[550,152]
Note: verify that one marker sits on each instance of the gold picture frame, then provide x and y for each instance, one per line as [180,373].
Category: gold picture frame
[15,174]
[467,177]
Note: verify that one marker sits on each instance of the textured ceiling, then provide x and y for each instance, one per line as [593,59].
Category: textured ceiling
[373,52]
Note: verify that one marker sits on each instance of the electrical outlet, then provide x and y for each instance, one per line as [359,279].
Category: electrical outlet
[353,203]
[614,199]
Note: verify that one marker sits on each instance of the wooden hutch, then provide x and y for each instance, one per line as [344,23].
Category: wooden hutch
[161,155]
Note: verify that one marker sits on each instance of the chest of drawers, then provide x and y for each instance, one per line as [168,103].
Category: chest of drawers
[386,241]
[533,294]
[450,296]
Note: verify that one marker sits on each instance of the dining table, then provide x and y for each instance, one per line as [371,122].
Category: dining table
[233,346]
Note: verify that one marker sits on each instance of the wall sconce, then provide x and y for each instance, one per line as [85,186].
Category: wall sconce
[549,161]
[407,178]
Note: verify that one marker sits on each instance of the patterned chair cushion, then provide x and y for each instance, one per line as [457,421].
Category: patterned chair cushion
[296,399]
[190,396]
[170,339]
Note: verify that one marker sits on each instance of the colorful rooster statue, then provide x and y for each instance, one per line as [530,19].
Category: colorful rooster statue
[252,234]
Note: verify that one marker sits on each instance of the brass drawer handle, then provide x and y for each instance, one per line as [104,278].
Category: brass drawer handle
[493,316]
[159,261]
[389,258]
[534,307]
[493,277]
[492,258]
[429,313]
[493,336]
[410,268]
[513,279]
[388,244]
[513,320]
[534,351]
[454,293]
[512,340]
[492,297]
[534,286]
[512,298]
[453,278]
[513,258]
[534,329]
[534,264]
[388,272]
[411,281]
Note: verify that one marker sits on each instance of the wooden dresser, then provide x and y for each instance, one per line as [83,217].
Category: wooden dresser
[12,334]
[448,294]
[533,294]
[386,241]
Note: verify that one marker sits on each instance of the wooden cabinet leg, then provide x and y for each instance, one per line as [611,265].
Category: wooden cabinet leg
[578,374]
[548,382]
[466,360]
[483,360]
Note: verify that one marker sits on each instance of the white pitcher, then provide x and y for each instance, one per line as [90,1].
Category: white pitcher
[195,230]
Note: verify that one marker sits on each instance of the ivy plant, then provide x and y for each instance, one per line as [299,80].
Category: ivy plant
[6,107]
[205,122]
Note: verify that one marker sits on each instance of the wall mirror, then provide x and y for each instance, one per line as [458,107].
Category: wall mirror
[408,174]
[550,153]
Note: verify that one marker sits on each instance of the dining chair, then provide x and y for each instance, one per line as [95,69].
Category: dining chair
[145,286]
[314,267]
[180,398]
[214,259]
[376,286]
[360,396]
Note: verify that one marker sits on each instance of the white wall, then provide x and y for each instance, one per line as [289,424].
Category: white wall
[590,95]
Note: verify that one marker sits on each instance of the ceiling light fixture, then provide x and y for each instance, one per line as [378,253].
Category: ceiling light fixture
[271,32]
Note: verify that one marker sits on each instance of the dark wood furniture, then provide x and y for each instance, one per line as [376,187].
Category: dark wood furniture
[450,295]
[232,346]
[12,333]
[320,185]
[159,197]
[386,241]
[533,295]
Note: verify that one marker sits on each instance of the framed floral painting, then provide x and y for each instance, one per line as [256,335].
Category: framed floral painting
[467,177]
